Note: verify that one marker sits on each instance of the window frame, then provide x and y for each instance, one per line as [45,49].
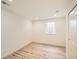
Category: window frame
[48,28]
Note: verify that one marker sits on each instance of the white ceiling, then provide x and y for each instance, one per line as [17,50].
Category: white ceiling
[41,9]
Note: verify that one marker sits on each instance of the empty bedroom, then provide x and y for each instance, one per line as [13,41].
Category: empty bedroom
[38,29]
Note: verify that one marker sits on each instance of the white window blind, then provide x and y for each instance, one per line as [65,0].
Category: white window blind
[51,28]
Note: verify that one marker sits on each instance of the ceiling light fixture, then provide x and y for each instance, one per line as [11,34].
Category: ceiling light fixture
[55,15]
[10,0]
[57,11]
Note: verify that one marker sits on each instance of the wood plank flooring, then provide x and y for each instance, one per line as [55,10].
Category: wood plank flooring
[38,51]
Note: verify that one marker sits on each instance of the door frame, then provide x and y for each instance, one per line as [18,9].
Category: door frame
[67,20]
[72,9]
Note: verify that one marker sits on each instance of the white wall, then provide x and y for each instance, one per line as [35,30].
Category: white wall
[16,32]
[40,36]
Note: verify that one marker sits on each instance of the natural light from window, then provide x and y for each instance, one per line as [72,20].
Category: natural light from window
[51,28]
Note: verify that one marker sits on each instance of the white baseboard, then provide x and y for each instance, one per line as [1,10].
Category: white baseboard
[17,49]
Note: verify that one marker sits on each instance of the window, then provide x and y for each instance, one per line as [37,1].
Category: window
[51,28]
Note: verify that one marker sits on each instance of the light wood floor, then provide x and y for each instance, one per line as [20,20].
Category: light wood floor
[38,51]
